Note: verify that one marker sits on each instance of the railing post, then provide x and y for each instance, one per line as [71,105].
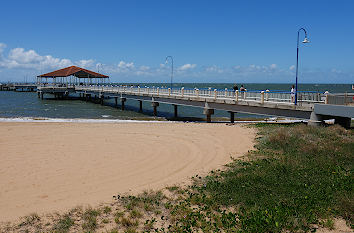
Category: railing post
[197,92]
[148,90]
[182,91]
[225,92]
[215,93]
[139,90]
[209,91]
[244,94]
[236,95]
[267,95]
[326,95]
[157,90]
[262,97]
[169,91]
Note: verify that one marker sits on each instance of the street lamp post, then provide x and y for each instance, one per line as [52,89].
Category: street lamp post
[297,57]
[171,67]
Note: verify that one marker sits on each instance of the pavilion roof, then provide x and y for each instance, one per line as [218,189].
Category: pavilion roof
[73,70]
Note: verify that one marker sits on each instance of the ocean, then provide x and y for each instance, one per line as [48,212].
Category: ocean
[26,105]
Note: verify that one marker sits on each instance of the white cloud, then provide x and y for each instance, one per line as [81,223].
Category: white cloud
[125,65]
[2,47]
[273,66]
[24,57]
[214,69]
[187,66]
[144,68]
[20,58]
[86,63]
[292,67]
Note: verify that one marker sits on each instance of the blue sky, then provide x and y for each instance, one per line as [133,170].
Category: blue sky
[210,41]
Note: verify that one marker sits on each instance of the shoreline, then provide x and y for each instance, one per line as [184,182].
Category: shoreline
[162,120]
[54,167]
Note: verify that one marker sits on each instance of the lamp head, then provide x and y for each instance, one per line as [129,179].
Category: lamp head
[306,40]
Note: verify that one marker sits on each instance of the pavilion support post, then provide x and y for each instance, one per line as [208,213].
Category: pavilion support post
[175,108]
[140,106]
[123,102]
[155,105]
[116,101]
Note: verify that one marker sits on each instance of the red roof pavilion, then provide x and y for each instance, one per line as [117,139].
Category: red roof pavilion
[73,71]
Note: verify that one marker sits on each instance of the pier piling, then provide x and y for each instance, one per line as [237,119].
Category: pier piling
[123,102]
[232,117]
[208,112]
[155,105]
[140,106]
[175,110]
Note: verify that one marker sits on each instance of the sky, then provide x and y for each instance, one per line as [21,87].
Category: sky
[226,41]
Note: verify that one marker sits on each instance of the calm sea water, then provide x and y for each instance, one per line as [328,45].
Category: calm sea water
[26,104]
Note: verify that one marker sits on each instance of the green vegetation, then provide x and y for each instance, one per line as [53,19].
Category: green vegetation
[90,220]
[63,225]
[30,219]
[107,209]
[297,176]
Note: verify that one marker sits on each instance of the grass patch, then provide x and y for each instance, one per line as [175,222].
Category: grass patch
[90,220]
[63,225]
[107,209]
[297,175]
[135,214]
[129,222]
[30,219]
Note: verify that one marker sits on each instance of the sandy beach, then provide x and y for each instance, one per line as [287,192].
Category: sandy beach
[48,167]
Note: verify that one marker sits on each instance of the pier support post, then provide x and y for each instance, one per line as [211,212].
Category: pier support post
[123,103]
[175,110]
[232,117]
[208,112]
[155,105]
[39,94]
[116,101]
[140,106]
[315,119]
[42,95]
[101,99]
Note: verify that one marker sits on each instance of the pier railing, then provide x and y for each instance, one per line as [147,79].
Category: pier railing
[255,96]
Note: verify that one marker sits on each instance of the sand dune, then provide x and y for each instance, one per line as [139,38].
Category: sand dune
[55,166]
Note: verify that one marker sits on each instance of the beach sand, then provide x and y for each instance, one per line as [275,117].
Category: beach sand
[48,167]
